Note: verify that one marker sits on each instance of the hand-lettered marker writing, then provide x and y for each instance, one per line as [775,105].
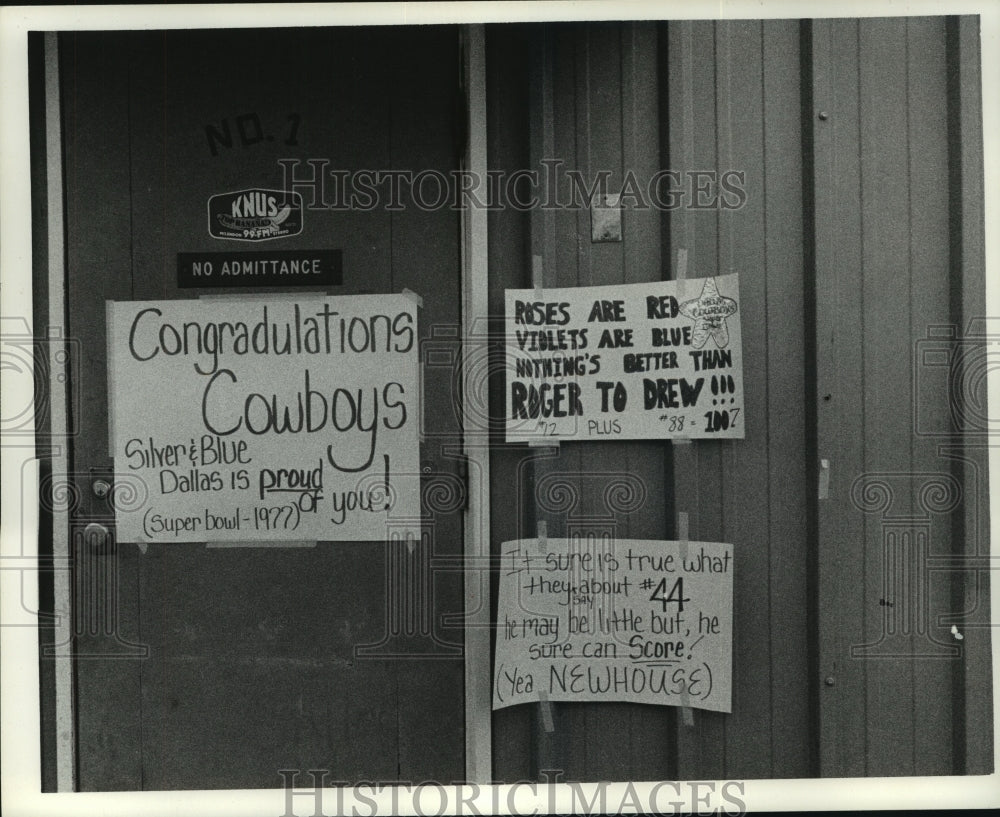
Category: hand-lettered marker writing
[275,418]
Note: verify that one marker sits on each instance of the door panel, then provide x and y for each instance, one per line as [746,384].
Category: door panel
[330,656]
[98,235]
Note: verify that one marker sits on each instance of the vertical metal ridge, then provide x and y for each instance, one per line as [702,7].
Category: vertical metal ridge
[65,745]
[475,312]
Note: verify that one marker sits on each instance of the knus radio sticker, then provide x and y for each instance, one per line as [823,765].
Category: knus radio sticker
[255,215]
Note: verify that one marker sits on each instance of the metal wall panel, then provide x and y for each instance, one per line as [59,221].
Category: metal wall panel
[591,97]
[734,104]
[859,238]
[885,190]
[973,683]
[857,503]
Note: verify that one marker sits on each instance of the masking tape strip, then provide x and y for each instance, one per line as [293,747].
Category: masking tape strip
[409,293]
[421,402]
[537,282]
[253,297]
[824,479]
[271,544]
[682,267]
[537,279]
[543,442]
[546,709]
[687,714]
[109,311]
[682,533]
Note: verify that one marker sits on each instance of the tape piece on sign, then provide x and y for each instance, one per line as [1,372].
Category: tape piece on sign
[682,534]
[687,714]
[543,535]
[409,293]
[546,709]
[543,442]
[238,297]
[302,544]
[682,269]
[109,312]
[537,272]
[538,282]
[824,479]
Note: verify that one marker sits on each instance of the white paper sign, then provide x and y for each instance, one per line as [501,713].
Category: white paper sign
[615,620]
[264,418]
[639,361]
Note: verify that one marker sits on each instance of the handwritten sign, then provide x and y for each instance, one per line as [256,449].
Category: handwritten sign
[620,620]
[267,418]
[639,361]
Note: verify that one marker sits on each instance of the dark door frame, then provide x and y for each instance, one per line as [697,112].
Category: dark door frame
[60,744]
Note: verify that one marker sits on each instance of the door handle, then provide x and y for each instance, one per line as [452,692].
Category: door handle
[97,538]
[101,488]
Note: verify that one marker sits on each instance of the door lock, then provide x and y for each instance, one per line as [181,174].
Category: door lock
[97,538]
[101,488]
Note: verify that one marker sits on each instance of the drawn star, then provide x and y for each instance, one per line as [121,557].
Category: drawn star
[709,312]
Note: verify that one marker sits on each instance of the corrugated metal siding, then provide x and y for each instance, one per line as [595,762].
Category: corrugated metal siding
[973,683]
[591,96]
[846,247]
[734,105]
[883,221]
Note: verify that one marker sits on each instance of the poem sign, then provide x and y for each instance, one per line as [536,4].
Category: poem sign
[270,418]
[637,361]
[626,620]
